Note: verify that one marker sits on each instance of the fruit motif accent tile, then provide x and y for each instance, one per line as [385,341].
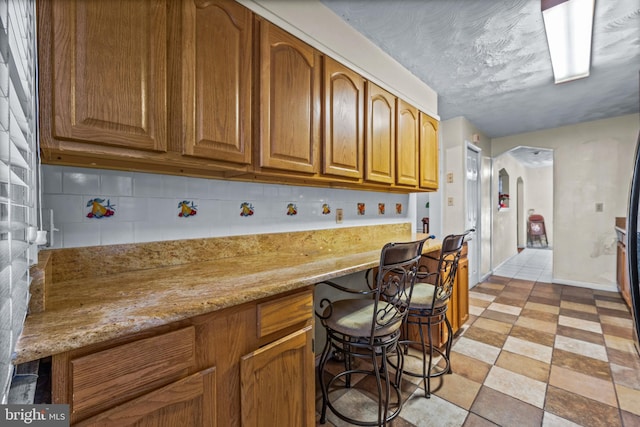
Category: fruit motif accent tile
[399,208]
[187,208]
[361,208]
[99,208]
[246,209]
[292,209]
[380,208]
[326,209]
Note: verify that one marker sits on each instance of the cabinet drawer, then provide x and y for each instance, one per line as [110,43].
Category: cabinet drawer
[284,312]
[112,376]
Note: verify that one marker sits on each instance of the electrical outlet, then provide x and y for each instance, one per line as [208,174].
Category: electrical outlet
[338,216]
[450,178]
[450,201]
[599,207]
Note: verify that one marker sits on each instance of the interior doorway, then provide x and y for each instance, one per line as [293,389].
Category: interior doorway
[530,172]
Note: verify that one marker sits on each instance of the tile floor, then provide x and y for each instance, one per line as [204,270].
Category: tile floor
[532,354]
[530,264]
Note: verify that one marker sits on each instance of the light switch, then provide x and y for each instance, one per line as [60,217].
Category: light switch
[450,201]
[450,178]
[599,207]
[338,216]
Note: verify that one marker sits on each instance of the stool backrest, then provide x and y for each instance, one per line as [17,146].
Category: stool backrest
[395,278]
[445,274]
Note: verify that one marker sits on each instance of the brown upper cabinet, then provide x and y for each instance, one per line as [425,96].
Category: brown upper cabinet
[289,106]
[343,138]
[207,88]
[104,74]
[407,145]
[380,135]
[216,52]
[428,152]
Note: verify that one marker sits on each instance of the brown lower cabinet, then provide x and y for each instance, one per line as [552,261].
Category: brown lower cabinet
[235,367]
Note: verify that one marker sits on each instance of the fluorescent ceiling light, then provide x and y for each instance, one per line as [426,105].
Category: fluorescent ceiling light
[569,25]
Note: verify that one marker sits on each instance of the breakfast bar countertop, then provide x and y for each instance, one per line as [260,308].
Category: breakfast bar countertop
[84,296]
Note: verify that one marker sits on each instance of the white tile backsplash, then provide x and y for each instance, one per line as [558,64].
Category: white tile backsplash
[146,207]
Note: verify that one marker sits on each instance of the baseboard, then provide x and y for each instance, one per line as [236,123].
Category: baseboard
[612,287]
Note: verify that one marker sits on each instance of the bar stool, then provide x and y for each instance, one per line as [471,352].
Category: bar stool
[369,328]
[428,308]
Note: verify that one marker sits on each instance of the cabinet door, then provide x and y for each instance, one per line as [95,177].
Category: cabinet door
[343,142]
[278,384]
[462,293]
[407,145]
[188,402]
[216,80]
[108,76]
[381,135]
[428,152]
[622,275]
[289,102]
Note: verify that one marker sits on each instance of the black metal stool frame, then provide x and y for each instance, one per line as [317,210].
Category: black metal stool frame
[434,312]
[387,305]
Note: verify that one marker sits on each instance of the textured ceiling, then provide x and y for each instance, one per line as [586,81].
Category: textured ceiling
[488,59]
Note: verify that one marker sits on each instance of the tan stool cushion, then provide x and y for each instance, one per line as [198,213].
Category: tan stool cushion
[354,316]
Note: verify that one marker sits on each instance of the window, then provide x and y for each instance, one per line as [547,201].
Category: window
[17,173]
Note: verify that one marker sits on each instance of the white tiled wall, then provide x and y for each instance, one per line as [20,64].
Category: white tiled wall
[146,207]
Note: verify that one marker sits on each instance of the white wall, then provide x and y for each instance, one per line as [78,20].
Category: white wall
[505,220]
[593,163]
[146,207]
[454,134]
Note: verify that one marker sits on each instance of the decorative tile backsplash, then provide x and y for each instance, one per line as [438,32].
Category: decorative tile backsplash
[101,207]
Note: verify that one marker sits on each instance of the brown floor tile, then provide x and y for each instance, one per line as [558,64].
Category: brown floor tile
[468,367]
[548,287]
[617,331]
[608,296]
[458,390]
[516,302]
[629,419]
[613,312]
[544,299]
[622,358]
[522,285]
[495,339]
[628,399]
[592,337]
[505,410]
[583,384]
[493,325]
[576,290]
[474,420]
[523,365]
[479,302]
[533,335]
[497,315]
[576,314]
[540,315]
[581,410]
[588,365]
[579,299]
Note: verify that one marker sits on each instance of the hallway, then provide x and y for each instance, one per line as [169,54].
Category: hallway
[531,354]
[530,264]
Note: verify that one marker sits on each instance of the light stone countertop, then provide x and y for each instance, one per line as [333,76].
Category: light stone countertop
[80,311]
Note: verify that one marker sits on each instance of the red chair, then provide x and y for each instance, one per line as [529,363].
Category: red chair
[536,231]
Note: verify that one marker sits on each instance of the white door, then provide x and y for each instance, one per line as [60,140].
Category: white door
[472,208]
